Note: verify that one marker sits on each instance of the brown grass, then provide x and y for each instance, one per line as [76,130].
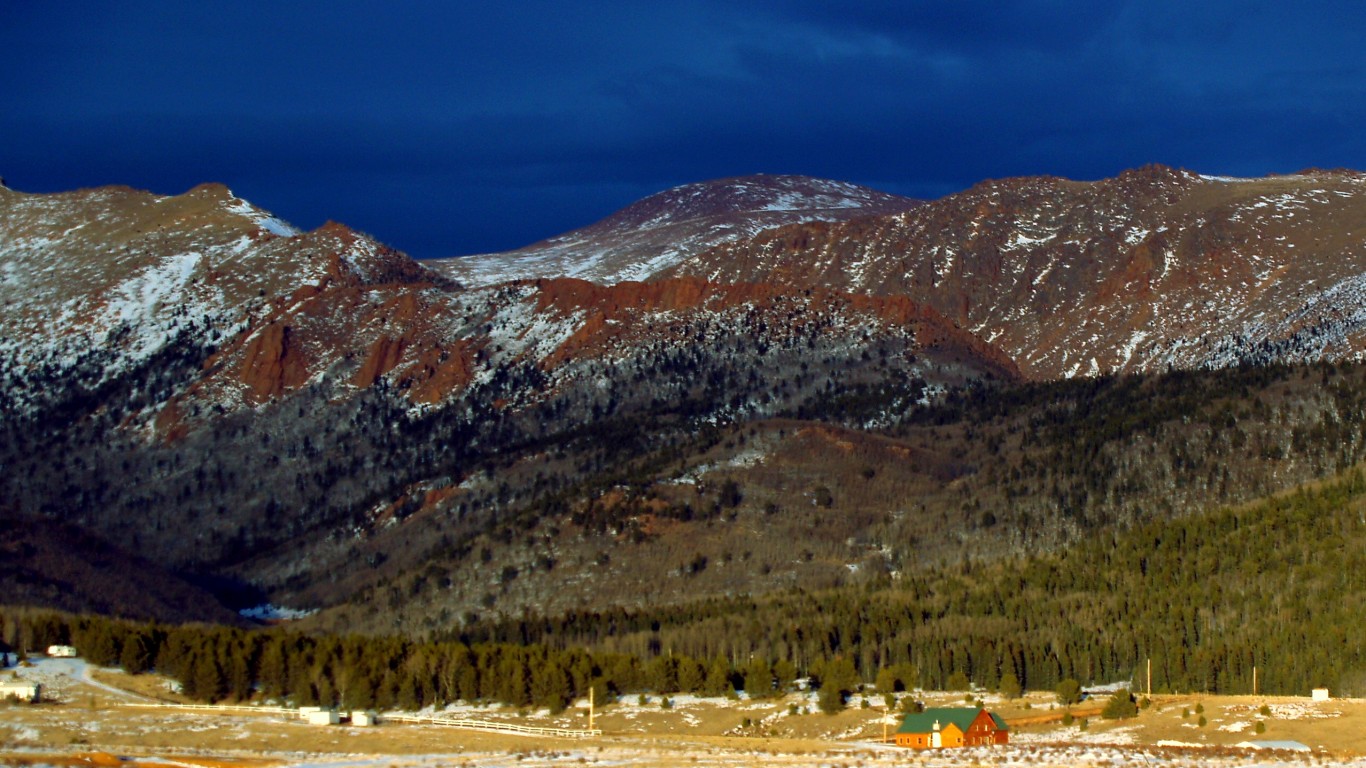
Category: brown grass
[77,734]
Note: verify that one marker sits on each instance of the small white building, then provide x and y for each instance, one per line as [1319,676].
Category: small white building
[22,690]
[363,718]
[1319,694]
[319,716]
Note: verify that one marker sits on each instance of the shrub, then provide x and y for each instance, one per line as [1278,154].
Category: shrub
[957,681]
[1120,705]
[1068,691]
[1010,686]
[830,699]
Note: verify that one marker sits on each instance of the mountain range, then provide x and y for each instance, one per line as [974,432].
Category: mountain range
[668,399]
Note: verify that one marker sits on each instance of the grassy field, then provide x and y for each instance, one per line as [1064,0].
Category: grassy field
[90,726]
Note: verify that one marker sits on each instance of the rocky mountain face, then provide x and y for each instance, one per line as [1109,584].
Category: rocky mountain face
[1157,267]
[672,397]
[664,229]
[193,379]
[96,284]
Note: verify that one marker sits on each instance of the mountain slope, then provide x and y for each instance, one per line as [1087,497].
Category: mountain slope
[864,486]
[322,417]
[61,566]
[1155,267]
[192,379]
[667,228]
[96,283]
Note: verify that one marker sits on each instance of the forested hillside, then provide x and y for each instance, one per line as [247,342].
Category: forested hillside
[1279,584]
[864,484]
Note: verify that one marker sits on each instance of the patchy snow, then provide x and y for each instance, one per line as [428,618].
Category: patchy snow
[143,296]
[268,612]
[262,219]
[1019,239]
[61,676]
[683,223]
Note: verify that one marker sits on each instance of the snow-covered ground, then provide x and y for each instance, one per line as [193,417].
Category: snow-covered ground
[268,612]
[61,678]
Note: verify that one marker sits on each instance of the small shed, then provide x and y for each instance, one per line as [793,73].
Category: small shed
[323,717]
[363,718]
[319,715]
[61,651]
[22,690]
[1319,694]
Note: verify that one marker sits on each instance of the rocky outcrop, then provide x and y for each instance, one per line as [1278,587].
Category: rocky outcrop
[271,365]
[1156,267]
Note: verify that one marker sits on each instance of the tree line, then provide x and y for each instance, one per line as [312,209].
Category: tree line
[1279,585]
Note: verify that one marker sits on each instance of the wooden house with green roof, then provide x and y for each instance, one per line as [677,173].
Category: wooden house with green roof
[951,727]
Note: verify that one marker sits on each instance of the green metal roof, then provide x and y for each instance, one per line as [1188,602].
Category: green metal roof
[923,722]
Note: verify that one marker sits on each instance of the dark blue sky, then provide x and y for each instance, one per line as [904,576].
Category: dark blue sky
[446,128]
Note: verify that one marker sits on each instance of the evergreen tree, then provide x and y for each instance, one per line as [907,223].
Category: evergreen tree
[1010,686]
[136,657]
[274,672]
[207,681]
[692,676]
[718,679]
[1120,705]
[550,687]
[759,679]
[838,680]
[1068,692]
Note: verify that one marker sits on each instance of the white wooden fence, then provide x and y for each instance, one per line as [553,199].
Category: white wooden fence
[220,708]
[452,722]
[491,725]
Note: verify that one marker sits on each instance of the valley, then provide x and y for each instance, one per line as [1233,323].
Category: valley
[114,724]
[740,434]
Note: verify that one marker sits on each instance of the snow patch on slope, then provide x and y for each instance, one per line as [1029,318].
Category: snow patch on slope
[262,219]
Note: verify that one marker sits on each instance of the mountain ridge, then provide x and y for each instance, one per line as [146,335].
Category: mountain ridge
[1152,268]
[662,229]
[214,384]
[189,377]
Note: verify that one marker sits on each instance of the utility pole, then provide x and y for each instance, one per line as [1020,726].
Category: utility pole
[1150,678]
[590,707]
[1254,680]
